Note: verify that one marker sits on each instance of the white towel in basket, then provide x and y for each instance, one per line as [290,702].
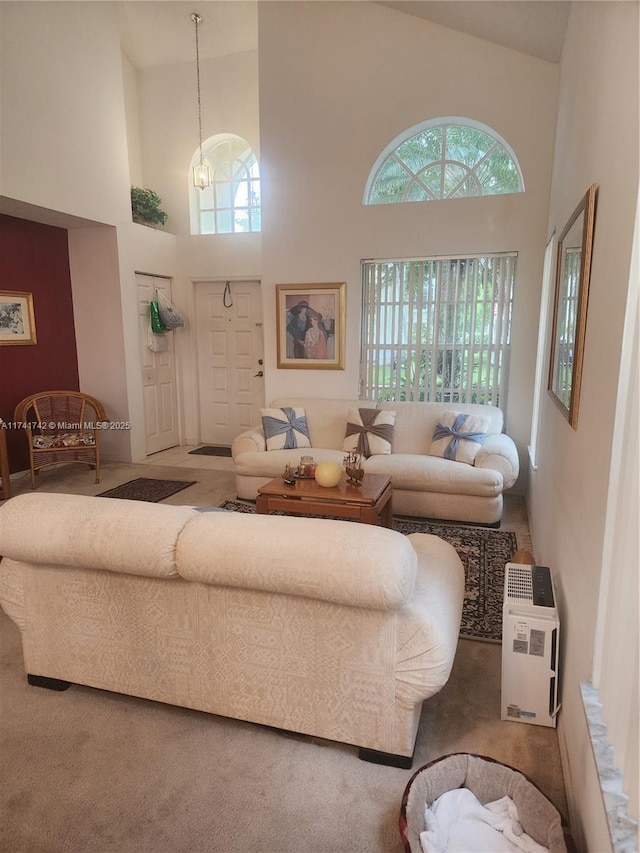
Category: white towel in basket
[457,822]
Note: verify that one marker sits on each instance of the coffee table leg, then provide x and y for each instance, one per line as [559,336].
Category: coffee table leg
[386,516]
[368,515]
[262,505]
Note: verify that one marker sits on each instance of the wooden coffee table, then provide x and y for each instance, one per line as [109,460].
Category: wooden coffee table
[369,503]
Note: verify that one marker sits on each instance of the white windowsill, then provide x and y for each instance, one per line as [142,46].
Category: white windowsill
[622,828]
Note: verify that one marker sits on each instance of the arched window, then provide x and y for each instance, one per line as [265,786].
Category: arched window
[443,158]
[232,203]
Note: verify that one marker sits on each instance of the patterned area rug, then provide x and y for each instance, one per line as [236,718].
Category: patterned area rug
[144,489]
[484,552]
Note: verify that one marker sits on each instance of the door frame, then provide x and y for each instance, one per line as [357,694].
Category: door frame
[177,365]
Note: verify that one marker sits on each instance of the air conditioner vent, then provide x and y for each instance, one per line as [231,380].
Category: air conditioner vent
[519,584]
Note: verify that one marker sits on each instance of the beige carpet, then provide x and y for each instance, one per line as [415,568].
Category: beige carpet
[87,771]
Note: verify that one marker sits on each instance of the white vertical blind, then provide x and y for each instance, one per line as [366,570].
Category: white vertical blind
[437,328]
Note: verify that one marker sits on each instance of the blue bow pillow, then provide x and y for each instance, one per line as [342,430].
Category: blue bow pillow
[285,429]
[459,436]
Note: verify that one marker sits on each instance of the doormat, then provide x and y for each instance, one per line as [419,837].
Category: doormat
[144,489]
[483,551]
[211,450]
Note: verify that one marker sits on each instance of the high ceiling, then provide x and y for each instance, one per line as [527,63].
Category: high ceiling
[536,27]
[156,32]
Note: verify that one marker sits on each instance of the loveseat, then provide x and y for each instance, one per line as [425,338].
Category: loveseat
[424,484]
[329,628]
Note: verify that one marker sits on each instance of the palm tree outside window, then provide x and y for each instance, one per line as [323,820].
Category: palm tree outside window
[441,159]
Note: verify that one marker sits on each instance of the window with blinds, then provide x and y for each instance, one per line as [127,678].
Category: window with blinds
[437,329]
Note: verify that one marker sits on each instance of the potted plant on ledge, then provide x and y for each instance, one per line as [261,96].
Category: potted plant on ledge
[145,207]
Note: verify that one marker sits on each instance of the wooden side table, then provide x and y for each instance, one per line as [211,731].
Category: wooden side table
[5,486]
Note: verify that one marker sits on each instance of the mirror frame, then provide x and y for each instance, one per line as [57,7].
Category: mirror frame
[586,209]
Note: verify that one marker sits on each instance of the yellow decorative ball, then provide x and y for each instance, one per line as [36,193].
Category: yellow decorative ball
[328,474]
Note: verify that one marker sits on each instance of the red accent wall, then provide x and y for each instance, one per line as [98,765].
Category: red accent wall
[35,258]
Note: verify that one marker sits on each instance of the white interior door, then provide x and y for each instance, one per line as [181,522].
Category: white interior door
[230,358]
[158,372]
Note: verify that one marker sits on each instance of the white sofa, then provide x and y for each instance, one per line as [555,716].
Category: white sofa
[328,628]
[423,485]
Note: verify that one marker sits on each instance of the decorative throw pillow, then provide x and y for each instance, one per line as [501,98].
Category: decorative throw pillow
[369,431]
[459,437]
[285,429]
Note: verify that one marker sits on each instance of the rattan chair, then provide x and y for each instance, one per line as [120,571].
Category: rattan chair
[61,427]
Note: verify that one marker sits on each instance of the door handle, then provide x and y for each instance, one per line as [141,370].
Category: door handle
[259,373]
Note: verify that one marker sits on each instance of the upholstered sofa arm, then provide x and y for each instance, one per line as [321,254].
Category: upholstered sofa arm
[350,564]
[131,537]
[248,442]
[428,627]
[500,453]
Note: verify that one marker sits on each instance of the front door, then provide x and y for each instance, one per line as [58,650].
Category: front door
[158,372]
[230,358]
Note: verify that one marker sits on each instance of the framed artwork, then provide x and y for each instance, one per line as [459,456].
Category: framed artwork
[17,321]
[573,270]
[310,322]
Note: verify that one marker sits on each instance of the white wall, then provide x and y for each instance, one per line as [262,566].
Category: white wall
[169,121]
[338,81]
[597,142]
[64,150]
[132,116]
[63,130]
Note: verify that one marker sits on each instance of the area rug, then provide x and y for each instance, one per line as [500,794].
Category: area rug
[483,551]
[144,489]
[211,450]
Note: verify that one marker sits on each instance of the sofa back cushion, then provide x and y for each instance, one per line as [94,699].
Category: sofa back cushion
[416,422]
[356,565]
[131,537]
[326,419]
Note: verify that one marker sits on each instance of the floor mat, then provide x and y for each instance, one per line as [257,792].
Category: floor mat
[144,489]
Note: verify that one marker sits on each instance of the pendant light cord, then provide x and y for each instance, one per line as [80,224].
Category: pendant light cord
[196,20]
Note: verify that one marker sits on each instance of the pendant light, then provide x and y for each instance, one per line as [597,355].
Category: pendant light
[201,172]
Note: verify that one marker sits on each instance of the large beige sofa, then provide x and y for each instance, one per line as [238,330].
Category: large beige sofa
[423,485]
[330,628]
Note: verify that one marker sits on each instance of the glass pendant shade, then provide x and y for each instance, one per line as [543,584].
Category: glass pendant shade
[202,176]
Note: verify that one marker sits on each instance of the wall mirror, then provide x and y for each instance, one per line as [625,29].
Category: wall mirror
[573,269]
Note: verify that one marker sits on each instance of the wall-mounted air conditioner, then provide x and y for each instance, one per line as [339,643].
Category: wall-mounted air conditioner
[530,638]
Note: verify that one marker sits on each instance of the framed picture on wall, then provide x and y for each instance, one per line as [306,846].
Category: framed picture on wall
[17,321]
[311,325]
